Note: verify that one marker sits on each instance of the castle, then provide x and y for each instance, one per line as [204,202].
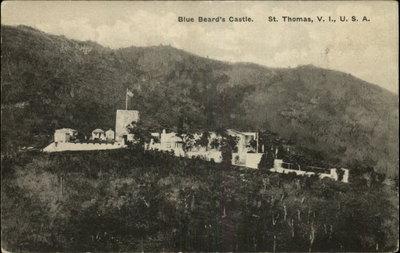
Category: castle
[65,139]
[245,155]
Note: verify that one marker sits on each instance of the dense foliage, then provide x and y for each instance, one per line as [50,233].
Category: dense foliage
[50,82]
[132,200]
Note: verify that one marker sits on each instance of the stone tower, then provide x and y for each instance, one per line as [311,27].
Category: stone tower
[123,119]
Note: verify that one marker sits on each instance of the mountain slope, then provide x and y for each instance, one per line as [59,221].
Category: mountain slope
[50,81]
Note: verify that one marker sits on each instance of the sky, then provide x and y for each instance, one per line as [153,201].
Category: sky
[368,50]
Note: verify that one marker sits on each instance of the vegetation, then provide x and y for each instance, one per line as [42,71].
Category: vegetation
[51,82]
[267,160]
[141,132]
[203,140]
[188,142]
[132,200]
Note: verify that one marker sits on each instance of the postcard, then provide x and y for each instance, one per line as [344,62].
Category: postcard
[199,126]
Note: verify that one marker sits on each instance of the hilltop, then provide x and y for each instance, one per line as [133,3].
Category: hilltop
[51,81]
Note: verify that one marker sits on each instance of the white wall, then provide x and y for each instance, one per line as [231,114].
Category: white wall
[70,146]
[253,159]
[333,172]
[60,136]
[206,155]
[249,160]
[345,176]
[110,135]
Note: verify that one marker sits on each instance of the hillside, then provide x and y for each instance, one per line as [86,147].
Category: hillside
[50,81]
[134,201]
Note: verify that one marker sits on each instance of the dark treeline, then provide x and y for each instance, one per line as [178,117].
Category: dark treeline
[132,200]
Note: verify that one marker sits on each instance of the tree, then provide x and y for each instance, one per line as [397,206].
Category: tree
[253,144]
[340,173]
[215,143]
[141,133]
[203,141]
[188,142]
[282,154]
[268,139]
[228,145]
[267,160]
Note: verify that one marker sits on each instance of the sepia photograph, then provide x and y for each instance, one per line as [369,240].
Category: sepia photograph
[199,126]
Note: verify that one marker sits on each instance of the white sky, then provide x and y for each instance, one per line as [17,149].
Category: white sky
[366,50]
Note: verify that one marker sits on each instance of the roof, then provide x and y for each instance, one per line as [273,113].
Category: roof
[171,137]
[98,130]
[109,130]
[66,130]
[176,138]
[236,132]
[249,133]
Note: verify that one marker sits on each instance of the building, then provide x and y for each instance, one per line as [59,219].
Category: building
[170,141]
[65,135]
[124,118]
[244,146]
[155,136]
[110,135]
[244,140]
[98,134]
[167,142]
[65,140]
